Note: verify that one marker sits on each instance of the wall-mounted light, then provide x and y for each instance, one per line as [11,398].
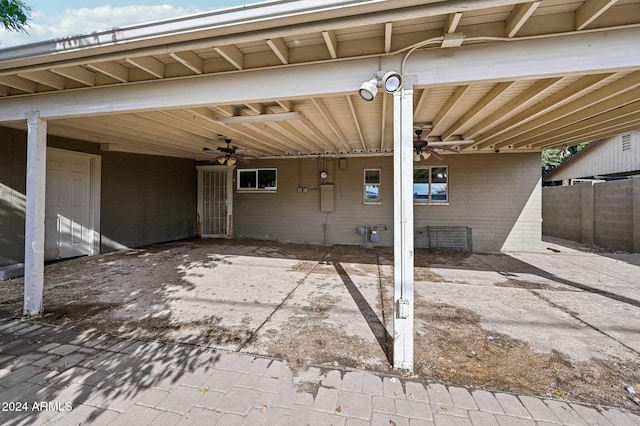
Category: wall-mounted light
[390,81]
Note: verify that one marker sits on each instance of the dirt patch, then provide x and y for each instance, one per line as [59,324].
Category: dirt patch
[306,340]
[451,346]
[525,285]
[426,257]
[426,274]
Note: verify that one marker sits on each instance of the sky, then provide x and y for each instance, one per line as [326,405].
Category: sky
[52,19]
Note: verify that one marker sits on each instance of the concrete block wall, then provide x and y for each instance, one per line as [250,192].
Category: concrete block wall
[498,196]
[145,199]
[561,212]
[614,215]
[636,215]
[606,214]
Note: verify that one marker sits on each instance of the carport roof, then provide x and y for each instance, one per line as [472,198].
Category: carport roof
[528,75]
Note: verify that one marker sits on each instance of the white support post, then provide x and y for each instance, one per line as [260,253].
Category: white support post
[403,229]
[34,223]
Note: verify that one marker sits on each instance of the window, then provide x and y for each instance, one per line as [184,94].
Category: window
[257,180]
[372,185]
[430,185]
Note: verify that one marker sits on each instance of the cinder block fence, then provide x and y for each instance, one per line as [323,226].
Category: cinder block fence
[606,214]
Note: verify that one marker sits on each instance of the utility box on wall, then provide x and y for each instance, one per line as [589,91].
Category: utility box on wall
[326,198]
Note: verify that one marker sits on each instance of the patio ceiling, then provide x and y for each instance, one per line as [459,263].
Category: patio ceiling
[527,113]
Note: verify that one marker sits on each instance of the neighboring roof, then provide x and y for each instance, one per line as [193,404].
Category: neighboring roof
[503,75]
[606,157]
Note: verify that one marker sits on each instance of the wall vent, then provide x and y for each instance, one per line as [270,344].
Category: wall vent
[626,142]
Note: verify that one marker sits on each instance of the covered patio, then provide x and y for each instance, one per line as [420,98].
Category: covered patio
[281,79]
[562,323]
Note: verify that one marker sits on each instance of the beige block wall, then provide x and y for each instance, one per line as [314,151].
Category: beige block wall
[636,215]
[498,196]
[614,215]
[606,214]
[561,212]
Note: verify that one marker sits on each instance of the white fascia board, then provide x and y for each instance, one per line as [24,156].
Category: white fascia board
[227,17]
[497,61]
[250,18]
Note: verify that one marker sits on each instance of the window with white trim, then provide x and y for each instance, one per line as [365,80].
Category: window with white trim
[372,180]
[430,184]
[257,180]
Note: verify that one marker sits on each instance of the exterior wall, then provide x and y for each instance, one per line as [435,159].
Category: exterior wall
[288,215]
[614,213]
[498,196]
[606,213]
[13,169]
[607,157]
[561,211]
[146,199]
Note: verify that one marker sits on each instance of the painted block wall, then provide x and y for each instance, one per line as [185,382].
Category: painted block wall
[13,169]
[288,215]
[499,196]
[614,215]
[561,211]
[606,214]
[145,199]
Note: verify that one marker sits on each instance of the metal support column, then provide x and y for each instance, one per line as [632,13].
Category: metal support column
[35,214]
[403,229]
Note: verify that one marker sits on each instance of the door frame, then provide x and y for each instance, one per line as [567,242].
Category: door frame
[95,162]
[229,200]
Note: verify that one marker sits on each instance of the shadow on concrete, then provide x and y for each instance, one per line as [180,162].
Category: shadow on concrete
[377,327]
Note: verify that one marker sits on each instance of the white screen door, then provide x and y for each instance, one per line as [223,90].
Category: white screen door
[214,200]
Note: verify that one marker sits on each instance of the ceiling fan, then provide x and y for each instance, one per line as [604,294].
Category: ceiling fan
[424,149]
[228,155]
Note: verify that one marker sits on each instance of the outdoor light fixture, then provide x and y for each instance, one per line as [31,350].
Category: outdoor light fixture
[369,89]
[391,82]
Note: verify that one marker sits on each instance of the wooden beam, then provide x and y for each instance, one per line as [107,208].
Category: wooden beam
[388,34]
[111,69]
[519,16]
[615,116]
[189,59]
[312,129]
[231,54]
[45,77]
[608,131]
[450,25]
[256,107]
[597,98]
[19,83]
[280,48]
[332,43]
[326,113]
[78,74]
[497,116]
[583,53]
[356,122]
[149,65]
[493,94]
[383,120]
[422,100]
[514,126]
[448,107]
[576,112]
[590,11]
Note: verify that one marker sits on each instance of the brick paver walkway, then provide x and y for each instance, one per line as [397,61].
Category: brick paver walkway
[50,375]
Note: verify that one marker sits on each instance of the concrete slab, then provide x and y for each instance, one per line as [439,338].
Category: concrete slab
[562,323]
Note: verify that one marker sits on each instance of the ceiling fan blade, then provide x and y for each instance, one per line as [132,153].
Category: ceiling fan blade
[435,154]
